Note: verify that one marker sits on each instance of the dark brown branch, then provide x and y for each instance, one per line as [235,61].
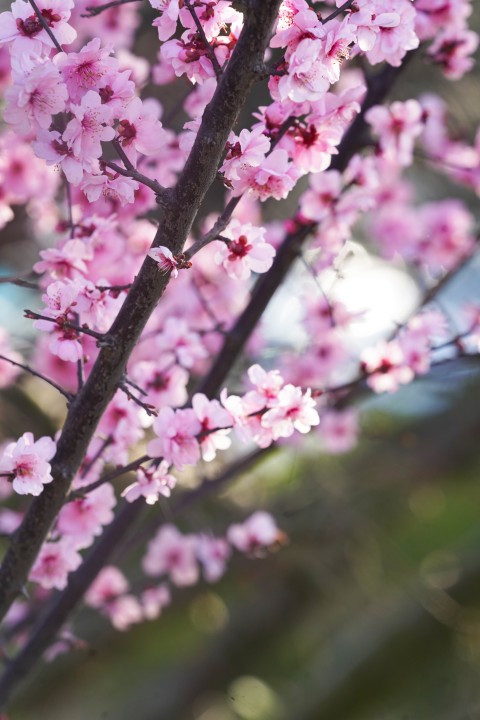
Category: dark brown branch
[179,211]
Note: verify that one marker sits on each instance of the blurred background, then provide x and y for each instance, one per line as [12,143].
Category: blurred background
[371,611]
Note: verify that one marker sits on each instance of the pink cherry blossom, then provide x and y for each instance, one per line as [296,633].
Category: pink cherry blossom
[292,410]
[245,252]
[139,131]
[38,93]
[338,430]
[26,461]
[397,127]
[164,381]
[54,563]
[150,484]
[185,344]
[393,24]
[50,146]
[67,261]
[109,593]
[89,127]
[386,367]
[453,49]
[257,532]
[303,24]
[247,150]
[176,437]
[189,56]
[267,386]
[166,23]
[165,260]
[87,69]
[173,554]
[83,519]
[307,77]
[23,29]
[154,600]
[274,178]
[211,416]
[213,553]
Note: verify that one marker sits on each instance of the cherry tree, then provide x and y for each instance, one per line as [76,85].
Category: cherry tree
[148,305]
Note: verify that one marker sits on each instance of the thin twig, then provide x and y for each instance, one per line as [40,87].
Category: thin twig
[338,11]
[148,407]
[108,477]
[62,323]
[45,25]
[138,176]
[31,371]
[210,50]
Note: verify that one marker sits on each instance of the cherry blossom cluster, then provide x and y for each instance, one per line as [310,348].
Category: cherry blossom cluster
[170,554]
[91,157]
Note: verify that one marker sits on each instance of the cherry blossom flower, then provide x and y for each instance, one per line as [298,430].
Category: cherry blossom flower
[292,410]
[247,150]
[38,93]
[67,261]
[397,127]
[89,127]
[386,367]
[303,24]
[307,77]
[164,259]
[26,460]
[274,178]
[54,563]
[139,131]
[154,600]
[176,437]
[185,344]
[213,554]
[23,29]
[163,380]
[211,416]
[109,593]
[51,147]
[190,56]
[453,49]
[173,554]
[83,519]
[393,24]
[87,69]
[257,532]
[166,23]
[338,430]
[150,484]
[245,252]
